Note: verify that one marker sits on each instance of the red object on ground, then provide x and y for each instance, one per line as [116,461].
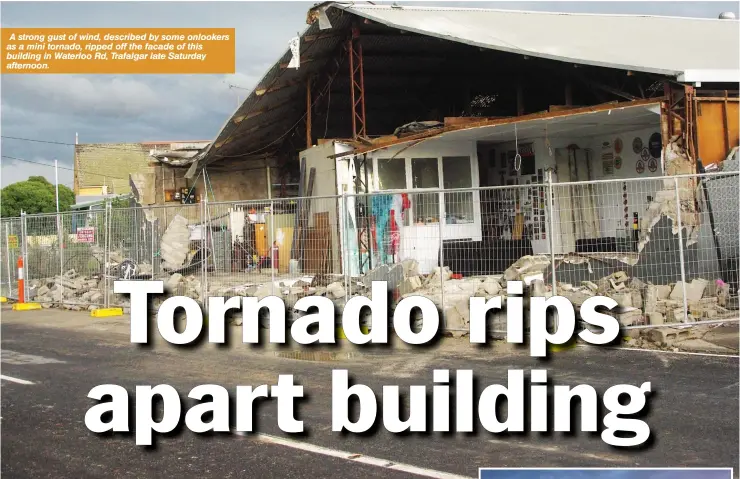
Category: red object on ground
[21,282]
[456,276]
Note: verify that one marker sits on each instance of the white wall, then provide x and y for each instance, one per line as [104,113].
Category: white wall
[609,195]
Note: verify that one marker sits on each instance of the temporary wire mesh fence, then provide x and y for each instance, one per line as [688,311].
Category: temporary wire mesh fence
[665,248]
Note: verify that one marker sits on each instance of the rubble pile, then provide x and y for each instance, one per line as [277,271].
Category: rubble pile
[76,292]
[639,303]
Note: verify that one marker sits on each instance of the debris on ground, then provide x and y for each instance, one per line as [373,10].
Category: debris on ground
[639,302]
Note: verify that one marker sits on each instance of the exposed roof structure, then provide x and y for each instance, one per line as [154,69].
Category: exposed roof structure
[588,121]
[406,48]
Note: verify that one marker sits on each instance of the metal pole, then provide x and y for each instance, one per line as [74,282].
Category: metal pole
[206,234]
[269,184]
[56,183]
[680,252]
[7,257]
[60,236]
[551,234]
[153,225]
[345,247]
[272,244]
[106,253]
[202,227]
[442,258]
[24,251]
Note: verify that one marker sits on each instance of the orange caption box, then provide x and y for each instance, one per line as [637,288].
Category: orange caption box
[118,50]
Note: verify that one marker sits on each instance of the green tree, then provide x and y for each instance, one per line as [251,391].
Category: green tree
[35,195]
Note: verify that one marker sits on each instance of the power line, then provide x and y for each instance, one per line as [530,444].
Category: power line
[64,168]
[101,146]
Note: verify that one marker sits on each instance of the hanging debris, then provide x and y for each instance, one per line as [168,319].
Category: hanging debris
[677,162]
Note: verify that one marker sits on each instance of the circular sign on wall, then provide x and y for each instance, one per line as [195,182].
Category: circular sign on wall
[618,162]
[652,164]
[655,145]
[618,146]
[637,145]
[645,154]
[640,166]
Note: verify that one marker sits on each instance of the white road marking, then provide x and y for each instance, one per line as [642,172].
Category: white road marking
[687,353]
[557,449]
[353,457]
[14,357]
[660,351]
[15,380]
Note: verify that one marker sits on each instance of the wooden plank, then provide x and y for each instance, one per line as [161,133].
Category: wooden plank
[321,220]
[296,225]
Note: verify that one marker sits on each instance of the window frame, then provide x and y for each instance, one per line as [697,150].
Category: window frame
[443,152]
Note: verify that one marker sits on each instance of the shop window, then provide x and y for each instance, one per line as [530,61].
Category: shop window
[456,173]
[391,174]
[425,174]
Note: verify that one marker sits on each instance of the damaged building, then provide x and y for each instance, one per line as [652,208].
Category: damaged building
[449,150]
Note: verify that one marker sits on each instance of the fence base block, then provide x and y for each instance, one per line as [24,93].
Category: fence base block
[3,299]
[106,312]
[556,348]
[26,306]
[340,331]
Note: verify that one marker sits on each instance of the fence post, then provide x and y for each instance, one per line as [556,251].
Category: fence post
[153,225]
[206,229]
[106,253]
[345,246]
[61,257]
[442,258]
[24,251]
[680,252]
[551,235]
[272,242]
[7,259]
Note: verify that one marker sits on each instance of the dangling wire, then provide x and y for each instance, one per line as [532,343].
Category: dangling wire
[517,157]
[547,141]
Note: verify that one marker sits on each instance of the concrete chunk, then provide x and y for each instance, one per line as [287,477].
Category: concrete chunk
[590,285]
[623,299]
[651,298]
[173,282]
[664,291]
[655,318]
[336,290]
[491,286]
[409,285]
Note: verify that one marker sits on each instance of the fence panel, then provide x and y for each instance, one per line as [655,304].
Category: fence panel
[10,250]
[665,248]
[283,247]
[43,260]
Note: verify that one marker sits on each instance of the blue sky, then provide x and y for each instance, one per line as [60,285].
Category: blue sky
[605,474]
[133,108]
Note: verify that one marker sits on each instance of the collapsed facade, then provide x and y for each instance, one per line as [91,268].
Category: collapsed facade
[450,150]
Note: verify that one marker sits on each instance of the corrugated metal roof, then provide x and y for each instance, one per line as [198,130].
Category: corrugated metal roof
[653,44]
[702,49]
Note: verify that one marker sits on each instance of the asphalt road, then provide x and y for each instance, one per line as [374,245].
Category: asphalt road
[693,412]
